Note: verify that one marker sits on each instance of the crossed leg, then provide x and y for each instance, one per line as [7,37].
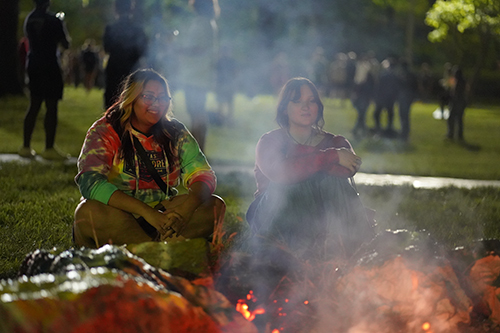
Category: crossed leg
[97,224]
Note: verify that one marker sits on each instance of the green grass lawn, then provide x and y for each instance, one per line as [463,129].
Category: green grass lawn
[427,154]
[37,200]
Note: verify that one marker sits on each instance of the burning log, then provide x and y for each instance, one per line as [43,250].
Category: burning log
[109,290]
[400,284]
[479,265]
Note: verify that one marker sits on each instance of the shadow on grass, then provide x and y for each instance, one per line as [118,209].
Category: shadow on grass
[470,146]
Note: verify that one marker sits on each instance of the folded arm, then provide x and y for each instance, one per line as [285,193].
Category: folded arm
[299,162]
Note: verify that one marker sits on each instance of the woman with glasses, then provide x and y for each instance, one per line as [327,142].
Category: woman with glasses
[131,162]
[304,199]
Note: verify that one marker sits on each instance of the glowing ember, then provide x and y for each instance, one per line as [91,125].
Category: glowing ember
[426,326]
[242,307]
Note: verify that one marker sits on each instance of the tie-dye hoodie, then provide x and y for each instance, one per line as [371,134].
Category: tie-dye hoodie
[101,171]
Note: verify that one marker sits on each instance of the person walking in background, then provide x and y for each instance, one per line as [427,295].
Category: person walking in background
[90,63]
[350,71]
[318,70]
[444,86]
[125,42]
[225,85]
[364,84]
[385,97]
[197,50]
[458,102]
[337,77]
[407,94]
[45,32]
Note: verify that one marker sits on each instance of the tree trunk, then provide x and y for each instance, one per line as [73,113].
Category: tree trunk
[410,31]
[9,65]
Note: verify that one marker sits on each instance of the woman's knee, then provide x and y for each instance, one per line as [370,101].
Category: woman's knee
[219,204]
[88,210]
[89,215]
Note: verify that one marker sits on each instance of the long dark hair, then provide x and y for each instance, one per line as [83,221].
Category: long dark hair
[165,132]
[291,92]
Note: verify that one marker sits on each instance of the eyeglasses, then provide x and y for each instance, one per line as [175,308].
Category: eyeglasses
[150,99]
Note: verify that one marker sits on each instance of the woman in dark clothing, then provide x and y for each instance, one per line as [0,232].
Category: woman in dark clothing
[304,198]
[45,32]
[458,102]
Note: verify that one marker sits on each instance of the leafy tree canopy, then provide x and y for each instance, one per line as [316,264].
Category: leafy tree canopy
[463,15]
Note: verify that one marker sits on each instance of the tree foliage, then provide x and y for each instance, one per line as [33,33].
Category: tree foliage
[463,15]
[473,25]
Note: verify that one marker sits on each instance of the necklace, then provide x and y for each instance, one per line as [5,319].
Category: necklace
[307,142]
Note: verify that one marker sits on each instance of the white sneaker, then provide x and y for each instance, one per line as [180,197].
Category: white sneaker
[27,152]
[54,154]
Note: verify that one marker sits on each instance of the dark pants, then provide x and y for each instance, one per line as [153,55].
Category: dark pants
[319,217]
[361,104]
[50,123]
[457,110]
[404,117]
[389,106]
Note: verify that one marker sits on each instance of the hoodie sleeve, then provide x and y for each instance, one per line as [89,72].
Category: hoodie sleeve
[95,161]
[194,165]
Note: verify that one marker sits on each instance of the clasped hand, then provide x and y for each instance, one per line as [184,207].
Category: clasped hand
[173,224]
[349,160]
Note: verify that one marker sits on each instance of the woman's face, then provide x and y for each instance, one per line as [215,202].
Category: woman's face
[302,110]
[150,106]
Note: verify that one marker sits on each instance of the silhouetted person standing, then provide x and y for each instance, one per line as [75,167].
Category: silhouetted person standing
[458,102]
[125,42]
[362,92]
[197,63]
[45,32]
[407,94]
[90,63]
[387,93]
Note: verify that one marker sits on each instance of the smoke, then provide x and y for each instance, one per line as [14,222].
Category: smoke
[298,290]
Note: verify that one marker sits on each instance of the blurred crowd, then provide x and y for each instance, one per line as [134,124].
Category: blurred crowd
[84,65]
[192,59]
[391,84]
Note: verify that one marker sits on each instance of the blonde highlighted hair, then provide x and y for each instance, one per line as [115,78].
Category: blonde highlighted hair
[119,115]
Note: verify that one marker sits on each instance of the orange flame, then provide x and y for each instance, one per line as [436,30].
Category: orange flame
[426,326]
[242,307]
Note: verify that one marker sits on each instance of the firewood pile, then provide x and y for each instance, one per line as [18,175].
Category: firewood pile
[399,282]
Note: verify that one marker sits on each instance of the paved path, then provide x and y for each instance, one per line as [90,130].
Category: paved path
[360,178]
[384,179]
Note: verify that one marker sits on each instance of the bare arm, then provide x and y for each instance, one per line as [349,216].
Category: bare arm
[132,205]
